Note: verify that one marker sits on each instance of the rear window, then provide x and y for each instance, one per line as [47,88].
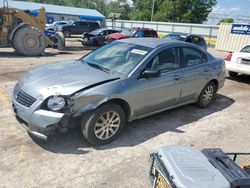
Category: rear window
[246,49]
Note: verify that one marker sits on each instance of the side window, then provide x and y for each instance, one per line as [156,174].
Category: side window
[110,32]
[166,60]
[77,23]
[84,24]
[148,34]
[93,24]
[139,33]
[192,56]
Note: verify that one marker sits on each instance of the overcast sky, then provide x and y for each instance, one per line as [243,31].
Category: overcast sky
[232,7]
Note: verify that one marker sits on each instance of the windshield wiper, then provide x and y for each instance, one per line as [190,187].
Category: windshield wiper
[98,66]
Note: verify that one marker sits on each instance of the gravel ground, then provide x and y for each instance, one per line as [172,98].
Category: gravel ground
[67,160]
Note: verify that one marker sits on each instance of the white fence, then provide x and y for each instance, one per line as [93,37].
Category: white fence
[209,32]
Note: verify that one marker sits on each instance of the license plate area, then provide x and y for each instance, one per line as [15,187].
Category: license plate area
[160,180]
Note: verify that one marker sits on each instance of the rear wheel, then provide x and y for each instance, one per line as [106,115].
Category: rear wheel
[29,41]
[232,74]
[67,33]
[103,125]
[207,95]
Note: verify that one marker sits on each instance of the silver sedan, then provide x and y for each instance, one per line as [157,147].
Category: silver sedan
[120,82]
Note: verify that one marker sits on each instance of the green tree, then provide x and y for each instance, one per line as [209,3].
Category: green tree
[226,20]
[188,11]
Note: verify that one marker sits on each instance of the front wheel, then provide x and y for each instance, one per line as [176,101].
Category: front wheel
[207,95]
[104,124]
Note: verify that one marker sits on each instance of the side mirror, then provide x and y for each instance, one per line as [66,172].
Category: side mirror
[150,74]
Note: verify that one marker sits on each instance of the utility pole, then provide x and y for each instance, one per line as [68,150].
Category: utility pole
[152,11]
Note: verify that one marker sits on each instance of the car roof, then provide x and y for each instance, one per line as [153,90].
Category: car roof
[142,28]
[185,34]
[154,42]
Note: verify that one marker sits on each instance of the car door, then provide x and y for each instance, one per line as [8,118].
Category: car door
[153,94]
[84,27]
[196,73]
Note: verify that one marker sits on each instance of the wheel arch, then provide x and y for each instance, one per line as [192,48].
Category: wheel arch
[123,104]
[13,31]
[215,82]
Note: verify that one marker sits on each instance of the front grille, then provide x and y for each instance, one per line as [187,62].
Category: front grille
[22,97]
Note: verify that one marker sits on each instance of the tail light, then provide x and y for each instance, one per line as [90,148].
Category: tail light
[229,57]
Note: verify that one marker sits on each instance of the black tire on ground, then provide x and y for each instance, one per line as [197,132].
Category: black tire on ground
[29,41]
[67,33]
[232,74]
[207,95]
[96,126]
[60,40]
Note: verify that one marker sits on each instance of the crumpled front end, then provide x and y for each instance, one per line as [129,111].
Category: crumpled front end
[38,122]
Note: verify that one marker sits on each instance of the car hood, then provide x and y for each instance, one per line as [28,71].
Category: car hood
[62,78]
[118,36]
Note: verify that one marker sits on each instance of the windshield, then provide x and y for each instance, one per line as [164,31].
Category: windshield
[127,31]
[118,57]
[175,37]
[246,49]
[96,32]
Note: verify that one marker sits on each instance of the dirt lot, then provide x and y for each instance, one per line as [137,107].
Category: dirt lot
[67,160]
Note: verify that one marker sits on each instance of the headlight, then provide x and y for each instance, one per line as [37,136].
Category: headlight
[56,103]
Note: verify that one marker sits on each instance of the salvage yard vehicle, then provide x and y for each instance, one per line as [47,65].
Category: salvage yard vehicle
[239,62]
[179,166]
[97,37]
[78,28]
[122,81]
[24,31]
[131,33]
[195,39]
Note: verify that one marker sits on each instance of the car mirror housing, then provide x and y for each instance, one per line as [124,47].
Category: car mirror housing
[150,74]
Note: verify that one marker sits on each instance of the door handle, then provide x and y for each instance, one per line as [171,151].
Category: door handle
[177,77]
[206,69]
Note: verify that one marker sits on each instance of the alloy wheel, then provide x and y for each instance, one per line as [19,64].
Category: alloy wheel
[107,125]
[208,94]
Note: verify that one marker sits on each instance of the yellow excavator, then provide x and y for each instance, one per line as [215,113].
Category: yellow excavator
[25,32]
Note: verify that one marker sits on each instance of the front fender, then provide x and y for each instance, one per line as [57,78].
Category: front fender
[84,104]
[14,29]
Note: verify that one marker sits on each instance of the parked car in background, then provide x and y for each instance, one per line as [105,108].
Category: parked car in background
[54,26]
[78,28]
[131,33]
[239,62]
[97,37]
[122,81]
[195,39]
[57,24]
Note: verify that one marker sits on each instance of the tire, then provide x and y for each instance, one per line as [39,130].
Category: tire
[29,41]
[96,130]
[207,95]
[67,33]
[232,74]
[60,40]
